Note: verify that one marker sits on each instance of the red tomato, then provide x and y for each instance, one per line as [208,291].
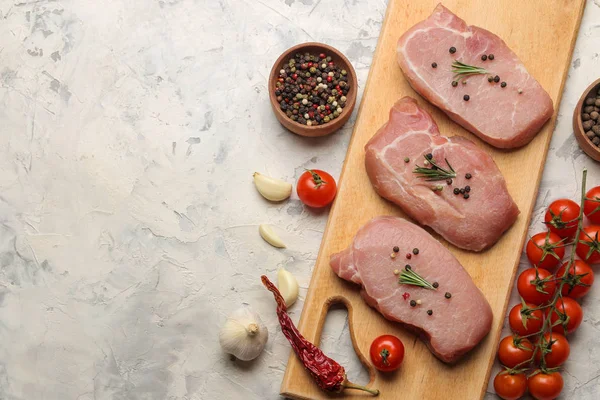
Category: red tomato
[387,353]
[559,349]
[561,217]
[513,351]
[545,386]
[524,321]
[545,250]
[316,188]
[510,387]
[578,281]
[591,207]
[568,309]
[528,286]
[588,248]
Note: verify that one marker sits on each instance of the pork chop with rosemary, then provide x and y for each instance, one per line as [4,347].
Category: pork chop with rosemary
[431,292]
[475,78]
[448,184]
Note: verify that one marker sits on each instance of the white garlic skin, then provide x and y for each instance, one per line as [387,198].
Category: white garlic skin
[243,335]
[272,189]
[288,286]
[270,236]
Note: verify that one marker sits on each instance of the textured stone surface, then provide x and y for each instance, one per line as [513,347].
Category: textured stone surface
[128,217]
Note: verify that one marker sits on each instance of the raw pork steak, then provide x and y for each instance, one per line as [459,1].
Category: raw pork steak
[472,223]
[504,117]
[456,324]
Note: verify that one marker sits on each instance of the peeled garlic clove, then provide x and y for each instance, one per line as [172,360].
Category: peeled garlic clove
[288,286]
[271,188]
[244,335]
[267,233]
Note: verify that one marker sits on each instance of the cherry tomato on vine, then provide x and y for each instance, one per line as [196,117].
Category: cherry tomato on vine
[545,250]
[558,349]
[510,386]
[525,321]
[578,281]
[570,311]
[536,290]
[387,353]
[588,247]
[544,386]
[316,188]
[591,207]
[561,217]
[513,351]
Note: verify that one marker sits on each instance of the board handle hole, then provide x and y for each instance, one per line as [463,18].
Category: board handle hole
[335,341]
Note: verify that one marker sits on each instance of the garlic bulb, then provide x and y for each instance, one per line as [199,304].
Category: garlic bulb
[269,235]
[271,188]
[244,335]
[288,286]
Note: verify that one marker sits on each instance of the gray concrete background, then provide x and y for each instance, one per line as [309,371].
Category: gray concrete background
[128,217]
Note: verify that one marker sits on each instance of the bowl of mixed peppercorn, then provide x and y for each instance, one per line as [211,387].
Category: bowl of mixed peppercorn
[312,88]
[586,121]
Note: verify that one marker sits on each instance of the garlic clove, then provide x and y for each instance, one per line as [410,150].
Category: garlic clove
[269,235]
[243,335]
[272,188]
[288,286]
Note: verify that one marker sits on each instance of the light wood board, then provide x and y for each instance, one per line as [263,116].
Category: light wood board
[542,33]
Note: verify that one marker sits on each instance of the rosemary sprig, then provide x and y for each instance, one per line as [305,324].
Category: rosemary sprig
[435,173]
[410,277]
[462,69]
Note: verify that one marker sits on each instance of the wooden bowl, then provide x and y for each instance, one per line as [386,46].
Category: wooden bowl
[339,59]
[584,142]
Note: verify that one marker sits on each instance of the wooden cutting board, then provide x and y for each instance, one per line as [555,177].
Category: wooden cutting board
[542,33]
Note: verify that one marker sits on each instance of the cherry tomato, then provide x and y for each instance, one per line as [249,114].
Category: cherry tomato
[513,351]
[316,188]
[526,322]
[545,250]
[387,353]
[561,217]
[528,286]
[510,387]
[545,386]
[588,248]
[559,349]
[570,309]
[578,281]
[591,207]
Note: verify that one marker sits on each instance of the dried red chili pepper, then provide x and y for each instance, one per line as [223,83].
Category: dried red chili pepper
[328,374]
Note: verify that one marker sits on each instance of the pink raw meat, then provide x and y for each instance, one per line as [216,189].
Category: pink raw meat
[474,223]
[456,325]
[504,117]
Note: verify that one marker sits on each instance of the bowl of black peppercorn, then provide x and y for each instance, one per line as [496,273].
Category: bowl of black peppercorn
[586,121]
[312,89]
